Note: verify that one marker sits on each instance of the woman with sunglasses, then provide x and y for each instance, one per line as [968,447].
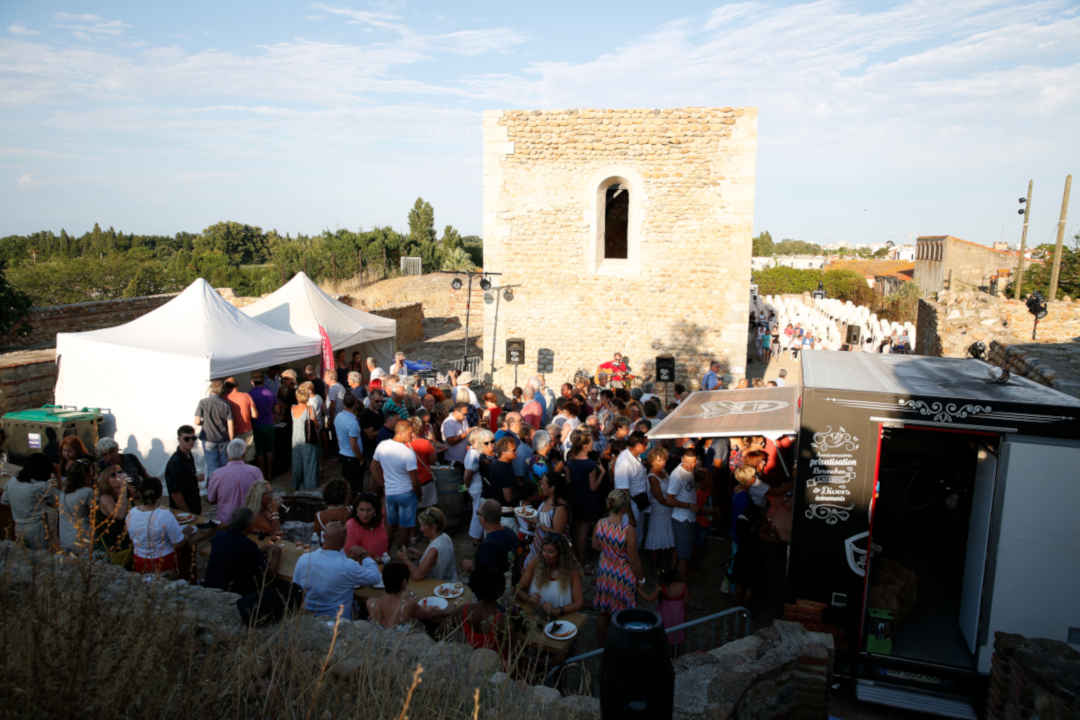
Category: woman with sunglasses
[481,446]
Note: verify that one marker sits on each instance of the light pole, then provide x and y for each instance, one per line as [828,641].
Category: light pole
[456,284]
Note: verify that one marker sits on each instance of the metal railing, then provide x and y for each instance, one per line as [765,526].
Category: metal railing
[738,627]
[470,364]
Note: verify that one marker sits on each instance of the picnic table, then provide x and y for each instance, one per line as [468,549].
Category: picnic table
[185,559]
[559,649]
[291,552]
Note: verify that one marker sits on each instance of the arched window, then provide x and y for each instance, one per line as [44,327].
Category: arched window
[616,221]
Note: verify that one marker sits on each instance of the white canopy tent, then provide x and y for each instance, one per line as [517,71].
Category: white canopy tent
[149,374]
[300,306]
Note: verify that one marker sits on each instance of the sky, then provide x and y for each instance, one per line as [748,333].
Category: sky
[877,120]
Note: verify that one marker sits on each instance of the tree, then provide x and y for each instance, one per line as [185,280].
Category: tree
[763,245]
[1037,276]
[451,238]
[456,259]
[788,246]
[240,244]
[14,306]
[421,223]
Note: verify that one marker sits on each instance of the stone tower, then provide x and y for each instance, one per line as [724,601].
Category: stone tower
[626,230]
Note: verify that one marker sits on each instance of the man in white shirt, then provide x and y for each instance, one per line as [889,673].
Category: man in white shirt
[394,468]
[374,371]
[455,430]
[683,489]
[630,475]
[463,381]
[329,577]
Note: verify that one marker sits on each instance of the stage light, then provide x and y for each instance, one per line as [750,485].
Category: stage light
[977,350]
[456,283]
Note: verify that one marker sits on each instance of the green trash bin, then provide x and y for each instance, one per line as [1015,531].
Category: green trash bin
[42,429]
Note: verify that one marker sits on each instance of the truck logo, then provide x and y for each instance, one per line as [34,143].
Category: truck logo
[723,408]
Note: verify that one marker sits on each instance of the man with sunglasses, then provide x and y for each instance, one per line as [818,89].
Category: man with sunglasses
[180,477]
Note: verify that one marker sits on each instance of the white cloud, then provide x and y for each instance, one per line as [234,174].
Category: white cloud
[886,105]
[86,26]
[17,29]
[25,180]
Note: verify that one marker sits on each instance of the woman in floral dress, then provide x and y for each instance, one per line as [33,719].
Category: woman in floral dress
[620,567]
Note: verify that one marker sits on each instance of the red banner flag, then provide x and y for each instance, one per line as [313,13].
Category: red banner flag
[327,350]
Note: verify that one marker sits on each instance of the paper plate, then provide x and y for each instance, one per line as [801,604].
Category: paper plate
[449,591]
[184,517]
[560,630]
[434,603]
[524,511]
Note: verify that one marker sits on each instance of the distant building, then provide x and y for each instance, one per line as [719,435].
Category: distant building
[944,262]
[903,252]
[1001,245]
[799,262]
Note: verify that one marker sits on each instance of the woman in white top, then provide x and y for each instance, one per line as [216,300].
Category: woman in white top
[28,494]
[154,531]
[75,501]
[481,442]
[552,581]
[438,561]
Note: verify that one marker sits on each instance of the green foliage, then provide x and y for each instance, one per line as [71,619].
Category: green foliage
[474,245]
[14,305]
[842,284]
[457,259]
[421,223]
[1037,276]
[796,247]
[902,305]
[101,264]
[763,245]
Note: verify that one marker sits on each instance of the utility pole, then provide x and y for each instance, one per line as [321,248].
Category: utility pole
[1056,270]
[1026,212]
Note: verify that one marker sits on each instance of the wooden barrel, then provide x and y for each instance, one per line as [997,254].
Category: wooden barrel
[453,500]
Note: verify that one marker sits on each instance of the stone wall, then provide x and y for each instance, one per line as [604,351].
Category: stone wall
[48,320]
[1033,678]
[948,326]
[684,286]
[410,322]
[27,379]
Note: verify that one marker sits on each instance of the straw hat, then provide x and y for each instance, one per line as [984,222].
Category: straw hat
[464,378]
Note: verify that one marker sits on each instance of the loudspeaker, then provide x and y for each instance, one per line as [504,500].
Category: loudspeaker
[665,368]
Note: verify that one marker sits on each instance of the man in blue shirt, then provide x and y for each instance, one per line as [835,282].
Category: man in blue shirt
[350,444]
[329,577]
[711,380]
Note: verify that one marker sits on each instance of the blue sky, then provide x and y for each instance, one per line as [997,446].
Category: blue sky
[877,121]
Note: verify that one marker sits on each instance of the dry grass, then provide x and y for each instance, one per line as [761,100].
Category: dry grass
[82,641]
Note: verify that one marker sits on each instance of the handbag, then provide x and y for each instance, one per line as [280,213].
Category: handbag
[641,500]
[311,431]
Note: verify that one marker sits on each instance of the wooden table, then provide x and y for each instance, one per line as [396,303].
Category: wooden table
[291,552]
[537,638]
[185,559]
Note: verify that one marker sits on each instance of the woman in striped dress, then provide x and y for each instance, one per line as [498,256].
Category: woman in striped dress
[620,567]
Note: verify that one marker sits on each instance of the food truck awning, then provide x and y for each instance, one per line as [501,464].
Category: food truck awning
[771,412]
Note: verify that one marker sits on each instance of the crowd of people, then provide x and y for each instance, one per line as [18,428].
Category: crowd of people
[782,324]
[566,491]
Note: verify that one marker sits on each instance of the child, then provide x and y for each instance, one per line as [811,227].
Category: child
[745,520]
[671,590]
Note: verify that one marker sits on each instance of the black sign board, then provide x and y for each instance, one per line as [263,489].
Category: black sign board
[515,351]
[854,335]
[545,360]
[665,368]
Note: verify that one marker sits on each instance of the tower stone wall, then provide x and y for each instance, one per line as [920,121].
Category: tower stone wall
[682,289]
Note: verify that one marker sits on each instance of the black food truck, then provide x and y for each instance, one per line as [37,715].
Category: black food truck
[936,502]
